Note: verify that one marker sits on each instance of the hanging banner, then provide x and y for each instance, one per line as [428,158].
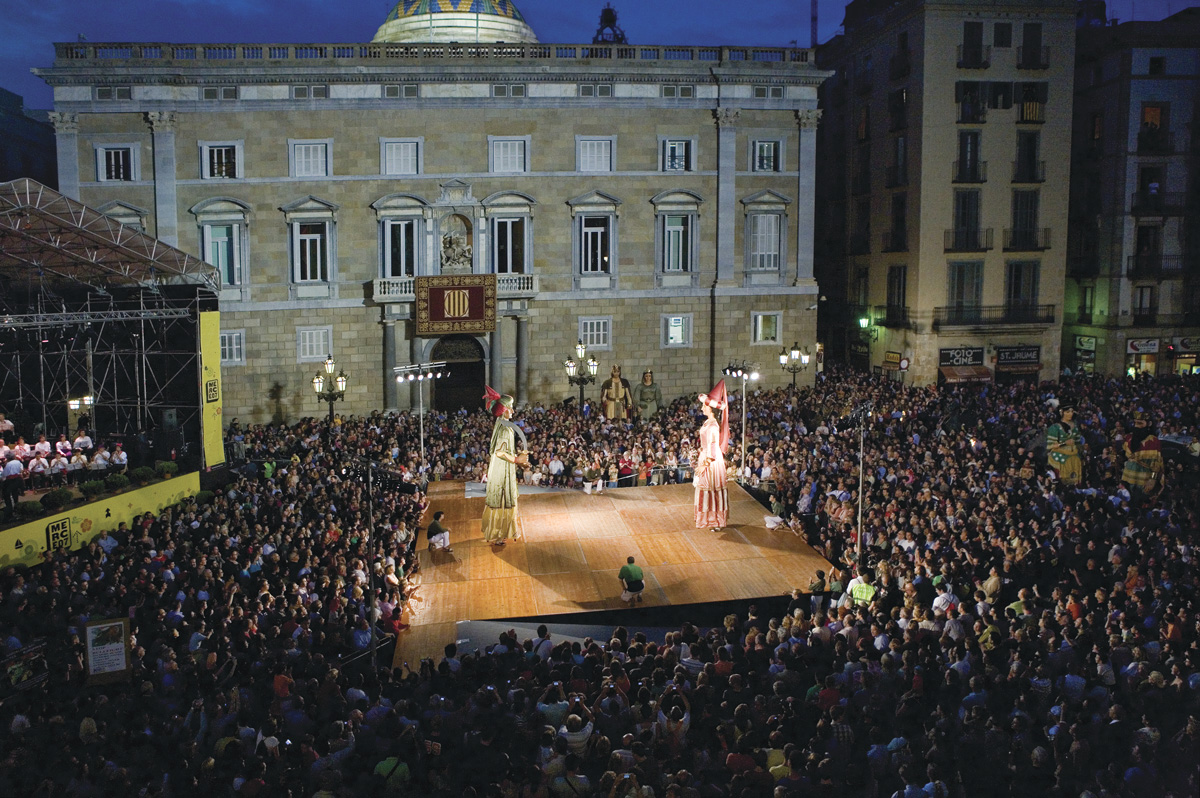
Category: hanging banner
[212,431]
[456,303]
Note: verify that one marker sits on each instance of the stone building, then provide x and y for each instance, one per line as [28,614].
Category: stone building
[1133,289]
[656,202]
[26,142]
[946,140]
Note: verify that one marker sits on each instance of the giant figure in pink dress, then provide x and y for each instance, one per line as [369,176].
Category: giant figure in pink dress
[712,497]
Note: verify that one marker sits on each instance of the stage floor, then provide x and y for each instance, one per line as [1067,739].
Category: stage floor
[574,544]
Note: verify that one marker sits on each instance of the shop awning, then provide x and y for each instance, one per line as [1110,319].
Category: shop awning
[957,374]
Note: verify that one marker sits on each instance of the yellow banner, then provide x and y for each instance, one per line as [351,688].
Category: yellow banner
[76,527]
[212,432]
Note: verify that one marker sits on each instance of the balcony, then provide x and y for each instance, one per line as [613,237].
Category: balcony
[1155,141]
[972,112]
[968,239]
[1026,240]
[974,56]
[1029,172]
[1152,265]
[895,241]
[899,65]
[1033,58]
[1157,203]
[1145,317]
[991,315]
[970,172]
[404,289]
[891,316]
[1031,112]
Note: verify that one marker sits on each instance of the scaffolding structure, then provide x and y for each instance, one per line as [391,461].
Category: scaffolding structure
[97,316]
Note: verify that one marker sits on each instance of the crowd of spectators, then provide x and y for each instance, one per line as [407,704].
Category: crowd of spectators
[1003,633]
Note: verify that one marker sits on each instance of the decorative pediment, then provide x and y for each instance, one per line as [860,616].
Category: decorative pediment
[399,204]
[220,207]
[309,207]
[121,210]
[595,200]
[502,199]
[677,196]
[765,198]
[456,192]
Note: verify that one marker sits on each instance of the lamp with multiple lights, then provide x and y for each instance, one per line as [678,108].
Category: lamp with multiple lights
[83,401]
[421,373]
[329,388]
[744,372]
[794,361]
[575,373]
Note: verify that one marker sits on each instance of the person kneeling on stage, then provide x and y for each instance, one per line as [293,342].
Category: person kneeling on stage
[439,536]
[633,582]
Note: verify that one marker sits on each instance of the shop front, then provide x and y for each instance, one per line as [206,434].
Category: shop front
[1185,351]
[1085,354]
[1015,363]
[892,365]
[1141,356]
[963,364]
[860,355]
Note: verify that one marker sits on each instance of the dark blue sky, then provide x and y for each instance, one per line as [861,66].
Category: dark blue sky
[28,28]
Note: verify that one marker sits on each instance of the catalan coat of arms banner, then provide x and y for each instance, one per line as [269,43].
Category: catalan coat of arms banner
[456,303]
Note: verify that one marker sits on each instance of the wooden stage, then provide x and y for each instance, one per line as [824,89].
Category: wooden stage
[573,546]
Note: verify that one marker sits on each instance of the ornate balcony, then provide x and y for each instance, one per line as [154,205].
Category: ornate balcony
[970,172]
[1026,240]
[1153,265]
[992,315]
[969,239]
[404,289]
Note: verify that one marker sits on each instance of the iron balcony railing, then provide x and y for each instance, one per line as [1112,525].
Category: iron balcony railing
[891,316]
[992,315]
[1026,239]
[1153,264]
[974,57]
[1157,203]
[1155,141]
[1145,317]
[972,112]
[895,241]
[968,239]
[970,172]
[1033,58]
[1029,171]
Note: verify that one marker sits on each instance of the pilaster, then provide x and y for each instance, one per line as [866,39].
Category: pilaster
[166,220]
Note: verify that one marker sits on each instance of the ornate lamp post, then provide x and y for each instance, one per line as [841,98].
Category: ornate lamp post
[575,376]
[741,371]
[794,361]
[330,388]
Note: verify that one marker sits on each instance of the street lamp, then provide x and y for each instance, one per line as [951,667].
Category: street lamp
[330,388]
[421,373]
[794,361]
[741,371]
[577,377]
[869,332]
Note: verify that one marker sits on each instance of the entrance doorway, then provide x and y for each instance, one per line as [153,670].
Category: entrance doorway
[463,388]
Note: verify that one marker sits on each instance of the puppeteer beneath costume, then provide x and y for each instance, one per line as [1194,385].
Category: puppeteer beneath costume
[647,397]
[1143,457]
[500,506]
[615,396]
[712,495]
[1064,447]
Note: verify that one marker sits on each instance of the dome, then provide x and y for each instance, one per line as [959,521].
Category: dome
[467,21]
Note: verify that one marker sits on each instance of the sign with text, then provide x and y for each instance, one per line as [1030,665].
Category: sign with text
[456,303]
[1022,359]
[891,361]
[1141,346]
[107,644]
[961,356]
[1086,342]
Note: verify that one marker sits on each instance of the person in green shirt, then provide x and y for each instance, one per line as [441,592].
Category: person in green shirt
[633,582]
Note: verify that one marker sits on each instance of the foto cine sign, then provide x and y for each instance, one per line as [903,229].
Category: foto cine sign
[456,303]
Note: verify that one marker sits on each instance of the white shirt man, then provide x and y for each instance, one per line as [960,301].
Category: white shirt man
[119,459]
[101,460]
[38,468]
[42,448]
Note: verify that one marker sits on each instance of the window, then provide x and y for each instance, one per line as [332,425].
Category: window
[897,287]
[966,211]
[999,94]
[1097,131]
[898,109]
[1024,213]
[223,249]
[595,331]
[860,233]
[594,154]
[220,93]
[595,89]
[1034,97]
[898,175]
[313,343]
[764,241]
[117,163]
[677,154]
[676,331]
[862,128]
[1002,34]
[596,245]
[1021,284]
[766,157]
[899,233]
[1031,55]
[1157,66]
[114,93]
[968,169]
[768,92]
[508,154]
[1027,168]
[765,327]
[405,91]
[319,92]
[965,284]
[221,160]
[1087,300]
[681,92]
[310,252]
[400,156]
[508,89]
[677,249]
[400,247]
[508,246]
[1143,300]
[968,94]
[233,349]
[310,158]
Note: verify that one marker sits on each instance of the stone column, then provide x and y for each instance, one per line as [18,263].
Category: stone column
[496,358]
[390,389]
[726,189]
[166,218]
[806,188]
[66,144]
[522,360]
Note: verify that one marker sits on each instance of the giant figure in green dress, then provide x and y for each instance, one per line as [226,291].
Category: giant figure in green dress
[500,506]
[1064,447]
